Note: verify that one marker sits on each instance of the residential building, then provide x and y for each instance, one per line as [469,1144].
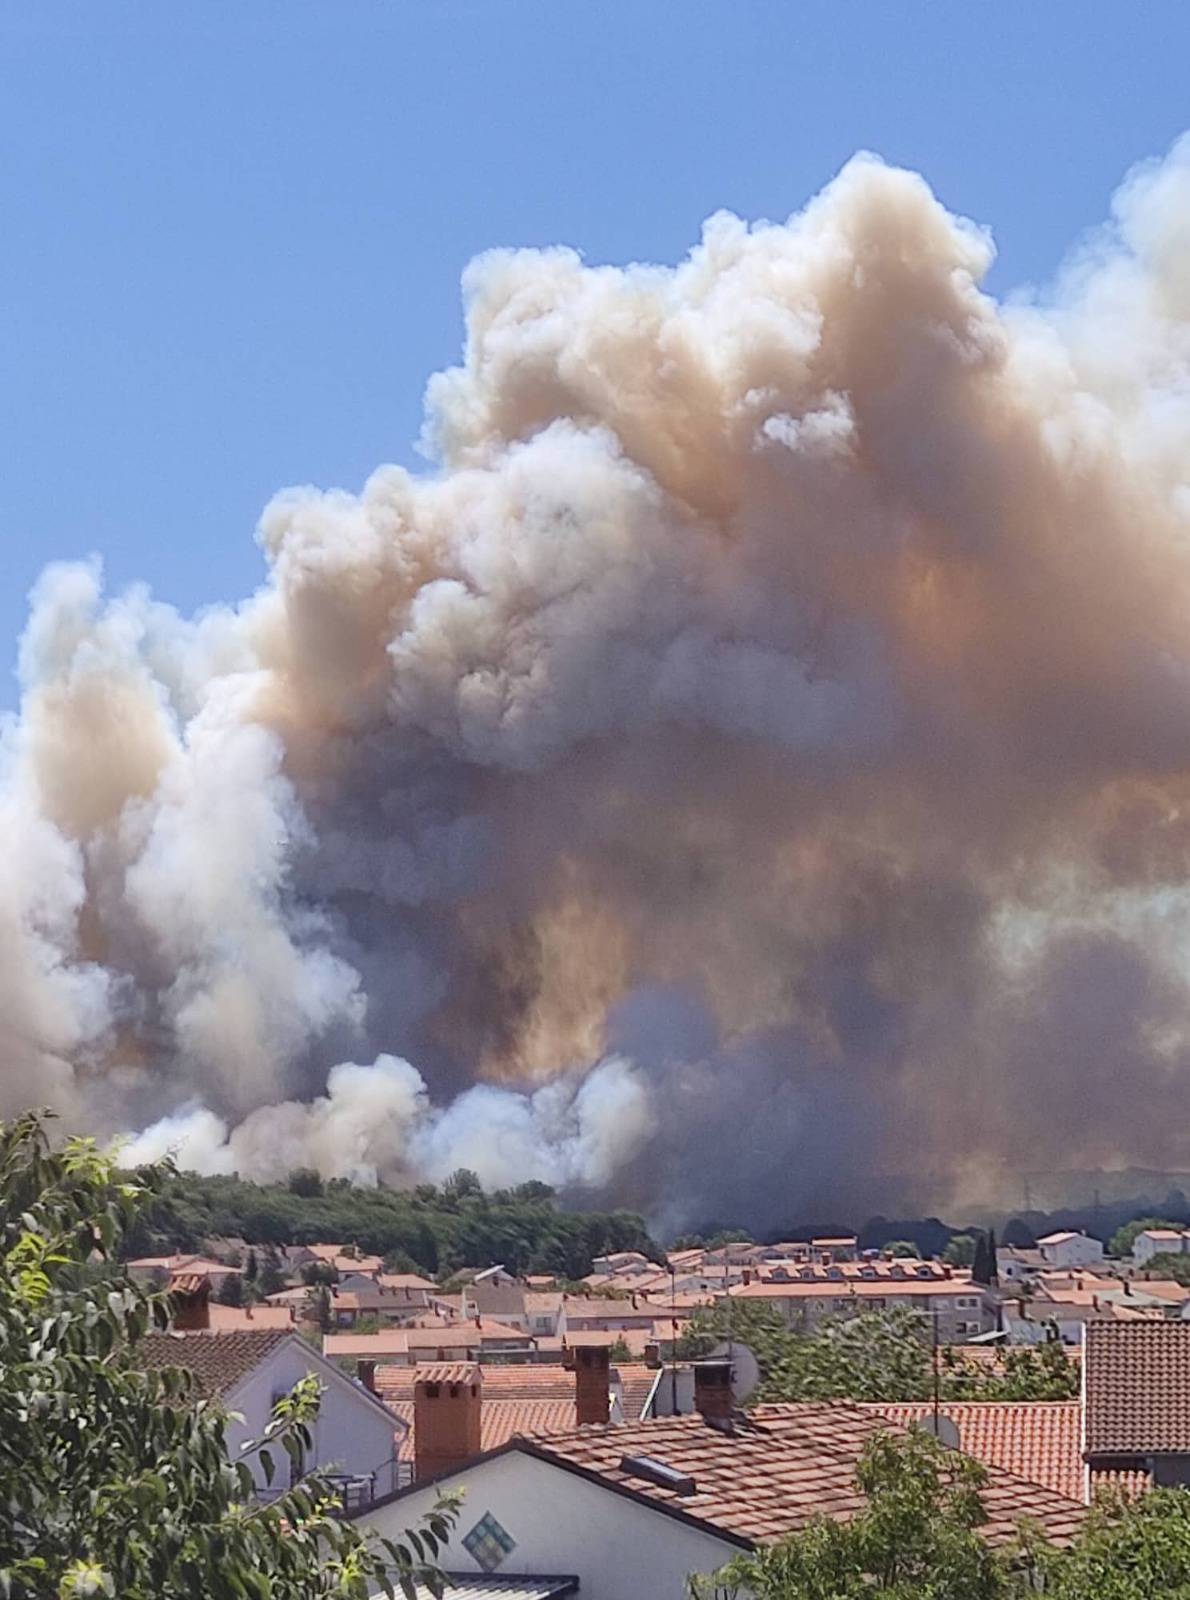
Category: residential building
[633,1510]
[341,1258]
[160,1269]
[960,1308]
[355,1438]
[1018,1265]
[1136,1402]
[1159,1242]
[1038,1440]
[441,1341]
[1070,1250]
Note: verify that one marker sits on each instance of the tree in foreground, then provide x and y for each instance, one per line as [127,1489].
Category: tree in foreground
[116,1482]
[874,1355]
[917,1537]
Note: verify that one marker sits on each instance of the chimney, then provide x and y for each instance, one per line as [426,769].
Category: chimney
[190,1296]
[592,1383]
[447,1409]
[365,1371]
[712,1389]
[747,1276]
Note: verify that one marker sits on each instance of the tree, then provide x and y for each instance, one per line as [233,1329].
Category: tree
[917,1536]
[1019,1236]
[251,1268]
[901,1250]
[1121,1242]
[983,1264]
[231,1290]
[1137,1550]
[305,1182]
[113,1481]
[960,1251]
[1167,1265]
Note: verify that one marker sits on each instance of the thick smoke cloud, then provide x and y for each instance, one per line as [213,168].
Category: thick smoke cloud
[750,775]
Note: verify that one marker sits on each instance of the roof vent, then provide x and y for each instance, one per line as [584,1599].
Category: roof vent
[654,1471]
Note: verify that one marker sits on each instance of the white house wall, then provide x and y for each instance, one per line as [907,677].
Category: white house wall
[619,1549]
[351,1435]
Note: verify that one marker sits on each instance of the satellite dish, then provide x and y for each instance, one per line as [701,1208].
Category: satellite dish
[745,1368]
[942,1428]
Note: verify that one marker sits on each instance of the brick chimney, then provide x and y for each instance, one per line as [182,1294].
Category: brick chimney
[447,1410]
[365,1371]
[190,1296]
[592,1383]
[712,1389]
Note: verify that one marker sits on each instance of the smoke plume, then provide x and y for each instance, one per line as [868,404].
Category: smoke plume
[749,775]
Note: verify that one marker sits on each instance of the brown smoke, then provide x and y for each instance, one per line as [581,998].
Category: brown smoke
[754,767]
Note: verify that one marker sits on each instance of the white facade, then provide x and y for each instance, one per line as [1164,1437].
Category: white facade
[1159,1242]
[1070,1250]
[355,1434]
[619,1548]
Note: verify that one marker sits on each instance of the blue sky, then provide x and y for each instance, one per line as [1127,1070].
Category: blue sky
[231,231]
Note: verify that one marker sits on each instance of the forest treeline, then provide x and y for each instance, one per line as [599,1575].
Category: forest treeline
[433,1228]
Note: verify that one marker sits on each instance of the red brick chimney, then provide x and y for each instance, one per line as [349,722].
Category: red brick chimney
[190,1296]
[592,1378]
[447,1410]
[712,1389]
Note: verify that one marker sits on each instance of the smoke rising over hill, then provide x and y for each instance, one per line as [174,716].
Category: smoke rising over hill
[754,761]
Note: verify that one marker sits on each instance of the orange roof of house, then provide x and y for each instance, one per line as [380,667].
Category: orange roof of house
[1037,1440]
[1137,1388]
[844,1288]
[777,1470]
[223,1319]
[525,1400]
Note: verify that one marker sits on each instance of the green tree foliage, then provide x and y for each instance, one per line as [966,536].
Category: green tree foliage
[901,1250]
[960,1252]
[983,1264]
[1120,1243]
[1019,1235]
[435,1230]
[1167,1265]
[113,1482]
[231,1290]
[916,1539]
[876,1355]
[1138,1550]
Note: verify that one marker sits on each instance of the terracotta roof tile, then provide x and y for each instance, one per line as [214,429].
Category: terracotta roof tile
[218,1361]
[1137,1388]
[448,1372]
[1036,1440]
[781,1466]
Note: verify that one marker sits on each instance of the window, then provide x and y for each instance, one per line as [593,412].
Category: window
[966,1304]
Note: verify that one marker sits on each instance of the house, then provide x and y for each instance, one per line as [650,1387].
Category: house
[340,1258]
[524,1400]
[830,1251]
[440,1341]
[356,1439]
[160,1269]
[1136,1402]
[634,1510]
[960,1308]
[1159,1242]
[1018,1265]
[1070,1250]
[624,1264]
[1038,1440]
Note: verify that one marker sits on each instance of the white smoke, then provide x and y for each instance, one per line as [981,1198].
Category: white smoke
[795,639]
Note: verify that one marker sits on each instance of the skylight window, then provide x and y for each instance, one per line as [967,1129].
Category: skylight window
[488,1544]
[658,1472]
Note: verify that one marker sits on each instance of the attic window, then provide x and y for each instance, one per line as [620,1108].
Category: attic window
[431,1391]
[658,1472]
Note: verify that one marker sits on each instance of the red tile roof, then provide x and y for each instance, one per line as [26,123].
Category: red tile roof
[448,1372]
[780,1467]
[1137,1388]
[1036,1440]
[525,1400]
